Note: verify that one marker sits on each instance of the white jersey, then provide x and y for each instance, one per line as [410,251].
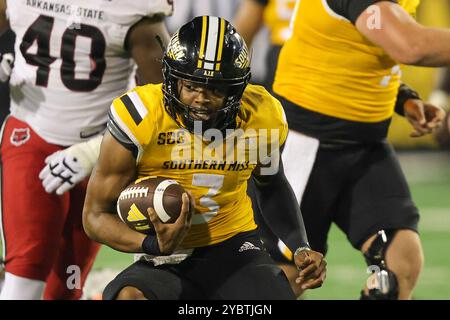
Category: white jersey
[71,62]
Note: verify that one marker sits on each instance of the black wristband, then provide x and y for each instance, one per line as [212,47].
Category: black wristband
[404,93]
[150,246]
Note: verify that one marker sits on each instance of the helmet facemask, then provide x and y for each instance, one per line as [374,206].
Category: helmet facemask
[222,119]
[183,61]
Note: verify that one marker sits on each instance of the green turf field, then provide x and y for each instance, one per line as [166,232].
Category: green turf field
[429,177]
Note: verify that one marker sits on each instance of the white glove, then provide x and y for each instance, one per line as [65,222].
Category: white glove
[6,66]
[65,168]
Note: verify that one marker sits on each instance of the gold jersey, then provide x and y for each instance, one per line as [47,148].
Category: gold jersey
[215,172]
[327,66]
[277,15]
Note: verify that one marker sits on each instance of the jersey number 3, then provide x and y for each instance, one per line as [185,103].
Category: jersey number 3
[214,183]
[40,31]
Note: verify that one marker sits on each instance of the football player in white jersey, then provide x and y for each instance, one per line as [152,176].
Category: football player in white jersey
[71,59]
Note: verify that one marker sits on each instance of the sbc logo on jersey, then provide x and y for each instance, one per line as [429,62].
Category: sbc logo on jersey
[19,136]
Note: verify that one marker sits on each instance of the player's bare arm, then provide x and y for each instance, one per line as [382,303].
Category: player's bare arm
[111,176]
[3,21]
[6,59]
[403,38]
[249,19]
[275,196]
[145,48]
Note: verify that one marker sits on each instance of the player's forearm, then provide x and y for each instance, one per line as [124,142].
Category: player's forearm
[146,42]
[405,40]
[4,25]
[433,47]
[281,211]
[249,19]
[109,178]
[100,222]
[108,229]
[412,44]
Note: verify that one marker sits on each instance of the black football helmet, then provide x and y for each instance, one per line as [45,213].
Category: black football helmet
[208,51]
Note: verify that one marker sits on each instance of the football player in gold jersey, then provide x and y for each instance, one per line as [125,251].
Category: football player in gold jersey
[338,78]
[249,19]
[208,129]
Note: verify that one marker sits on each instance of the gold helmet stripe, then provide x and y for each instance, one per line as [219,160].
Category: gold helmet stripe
[203,41]
[219,51]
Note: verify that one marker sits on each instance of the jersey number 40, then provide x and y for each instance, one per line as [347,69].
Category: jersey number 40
[40,31]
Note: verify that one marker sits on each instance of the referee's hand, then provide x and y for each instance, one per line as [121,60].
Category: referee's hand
[312,269]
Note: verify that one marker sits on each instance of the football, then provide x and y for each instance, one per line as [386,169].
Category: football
[163,195]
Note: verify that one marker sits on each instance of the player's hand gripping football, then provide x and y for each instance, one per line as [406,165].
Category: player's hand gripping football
[312,269]
[423,116]
[170,235]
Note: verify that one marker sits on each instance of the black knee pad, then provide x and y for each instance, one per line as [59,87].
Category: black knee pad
[386,281]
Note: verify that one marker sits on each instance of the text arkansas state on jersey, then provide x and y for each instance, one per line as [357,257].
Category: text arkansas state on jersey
[218,181]
[53,39]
